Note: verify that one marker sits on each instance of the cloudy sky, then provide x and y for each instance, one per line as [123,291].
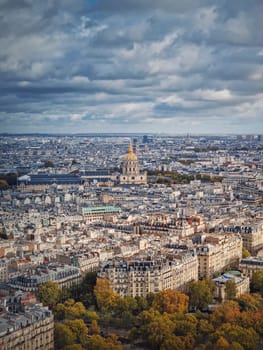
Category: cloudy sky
[171,66]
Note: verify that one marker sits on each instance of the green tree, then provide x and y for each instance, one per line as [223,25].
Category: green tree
[86,288]
[200,293]
[49,164]
[49,293]
[63,336]
[231,289]
[159,330]
[257,282]
[73,310]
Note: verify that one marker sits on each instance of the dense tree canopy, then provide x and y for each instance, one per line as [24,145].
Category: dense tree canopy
[170,301]
[160,321]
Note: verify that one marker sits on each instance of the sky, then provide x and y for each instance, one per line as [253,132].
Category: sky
[157,66]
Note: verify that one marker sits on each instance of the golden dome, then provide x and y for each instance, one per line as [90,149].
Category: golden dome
[130,155]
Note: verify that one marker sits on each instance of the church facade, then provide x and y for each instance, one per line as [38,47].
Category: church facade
[131,173]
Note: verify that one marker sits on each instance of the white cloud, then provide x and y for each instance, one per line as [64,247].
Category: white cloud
[213,95]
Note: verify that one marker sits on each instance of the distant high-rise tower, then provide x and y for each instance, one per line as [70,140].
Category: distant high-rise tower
[131,171]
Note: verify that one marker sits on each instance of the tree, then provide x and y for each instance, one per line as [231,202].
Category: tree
[204,329]
[105,297]
[184,324]
[200,293]
[94,328]
[245,253]
[249,301]
[63,336]
[86,289]
[73,347]
[49,293]
[170,301]
[221,344]
[159,330]
[49,164]
[231,289]
[79,329]
[228,312]
[96,342]
[172,343]
[3,184]
[73,310]
[257,282]
[247,338]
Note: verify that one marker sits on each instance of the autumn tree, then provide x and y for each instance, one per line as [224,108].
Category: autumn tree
[246,337]
[204,329]
[221,344]
[249,301]
[73,347]
[105,297]
[170,301]
[79,330]
[94,328]
[96,342]
[172,342]
[228,312]
[49,293]
[231,289]
[185,324]
[245,252]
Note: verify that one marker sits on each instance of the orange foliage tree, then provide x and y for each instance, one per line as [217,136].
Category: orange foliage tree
[170,301]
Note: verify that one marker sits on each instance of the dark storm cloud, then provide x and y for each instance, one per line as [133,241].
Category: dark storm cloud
[99,65]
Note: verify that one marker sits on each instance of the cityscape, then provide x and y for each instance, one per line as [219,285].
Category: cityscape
[146,213]
[131,175]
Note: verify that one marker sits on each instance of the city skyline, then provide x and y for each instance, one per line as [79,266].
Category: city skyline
[134,66]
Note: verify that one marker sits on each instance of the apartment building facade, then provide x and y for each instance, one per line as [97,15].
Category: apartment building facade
[141,277]
[218,253]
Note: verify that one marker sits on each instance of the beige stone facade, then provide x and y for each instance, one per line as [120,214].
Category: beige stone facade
[139,278]
[32,330]
[219,252]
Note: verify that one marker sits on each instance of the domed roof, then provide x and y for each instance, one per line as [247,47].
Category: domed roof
[130,155]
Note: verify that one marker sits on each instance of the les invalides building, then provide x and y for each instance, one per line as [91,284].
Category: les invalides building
[131,174]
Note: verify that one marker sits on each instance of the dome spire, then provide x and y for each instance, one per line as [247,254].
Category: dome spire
[130,155]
